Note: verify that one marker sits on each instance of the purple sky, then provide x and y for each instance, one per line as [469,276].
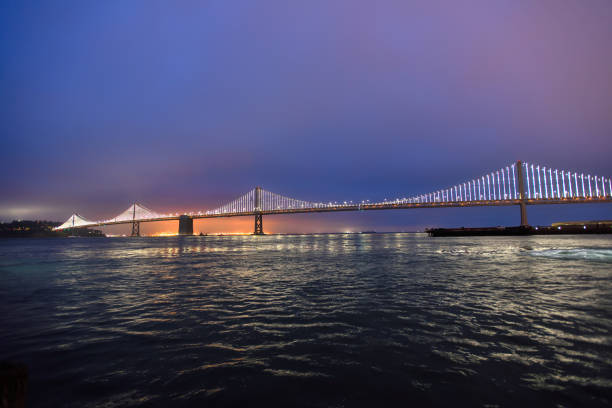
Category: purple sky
[185,105]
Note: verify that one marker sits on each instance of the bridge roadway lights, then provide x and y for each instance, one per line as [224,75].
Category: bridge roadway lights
[258,225]
[185,225]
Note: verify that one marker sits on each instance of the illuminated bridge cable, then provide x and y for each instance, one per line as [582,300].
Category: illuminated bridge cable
[542,183]
[269,201]
[75,220]
[244,203]
[135,212]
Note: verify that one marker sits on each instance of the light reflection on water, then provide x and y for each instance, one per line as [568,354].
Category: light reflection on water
[330,319]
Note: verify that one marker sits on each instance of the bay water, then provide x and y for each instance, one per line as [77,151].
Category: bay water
[336,320]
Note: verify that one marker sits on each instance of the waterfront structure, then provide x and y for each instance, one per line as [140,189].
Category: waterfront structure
[519,184]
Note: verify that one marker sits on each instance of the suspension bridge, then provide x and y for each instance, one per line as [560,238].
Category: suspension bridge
[519,184]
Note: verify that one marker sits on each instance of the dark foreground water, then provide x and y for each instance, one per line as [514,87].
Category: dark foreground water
[329,320]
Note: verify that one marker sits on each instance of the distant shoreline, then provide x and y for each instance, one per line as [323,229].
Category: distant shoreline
[42,229]
[574,228]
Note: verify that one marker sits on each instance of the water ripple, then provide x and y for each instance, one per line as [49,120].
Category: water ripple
[329,320]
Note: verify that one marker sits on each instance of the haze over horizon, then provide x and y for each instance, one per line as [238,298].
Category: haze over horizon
[183,107]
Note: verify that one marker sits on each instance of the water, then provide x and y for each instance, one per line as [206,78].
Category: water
[328,320]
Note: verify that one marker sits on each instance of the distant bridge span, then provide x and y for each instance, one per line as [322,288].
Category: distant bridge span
[519,184]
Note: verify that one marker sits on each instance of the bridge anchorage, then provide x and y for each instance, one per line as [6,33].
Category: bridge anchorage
[519,184]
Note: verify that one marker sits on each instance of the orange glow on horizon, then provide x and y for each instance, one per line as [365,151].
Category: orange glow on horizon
[162,234]
[272,224]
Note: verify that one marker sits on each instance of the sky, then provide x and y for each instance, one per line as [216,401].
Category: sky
[184,105]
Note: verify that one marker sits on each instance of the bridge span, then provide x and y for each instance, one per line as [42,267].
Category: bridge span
[519,184]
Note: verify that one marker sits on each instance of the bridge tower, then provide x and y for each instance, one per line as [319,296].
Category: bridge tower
[258,216]
[135,224]
[185,225]
[522,195]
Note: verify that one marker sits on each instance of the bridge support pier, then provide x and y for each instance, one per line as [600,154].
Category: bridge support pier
[258,225]
[135,229]
[185,225]
[524,222]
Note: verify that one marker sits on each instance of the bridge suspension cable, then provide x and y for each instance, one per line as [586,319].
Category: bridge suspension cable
[75,220]
[243,204]
[135,212]
[542,183]
[548,183]
[269,201]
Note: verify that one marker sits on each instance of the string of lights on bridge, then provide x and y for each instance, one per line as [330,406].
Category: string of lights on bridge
[541,183]
[502,184]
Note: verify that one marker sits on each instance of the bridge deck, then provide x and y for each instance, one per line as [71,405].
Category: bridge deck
[364,207]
